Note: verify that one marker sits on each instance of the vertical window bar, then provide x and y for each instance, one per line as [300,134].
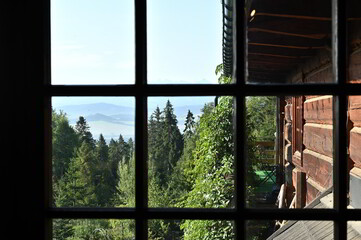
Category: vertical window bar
[339,56]
[141,143]
[48,184]
[239,78]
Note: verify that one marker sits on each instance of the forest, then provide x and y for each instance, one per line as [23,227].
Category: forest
[189,169]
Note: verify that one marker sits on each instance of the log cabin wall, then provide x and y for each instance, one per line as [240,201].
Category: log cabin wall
[317,136]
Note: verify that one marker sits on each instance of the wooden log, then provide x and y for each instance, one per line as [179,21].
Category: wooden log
[288,132]
[288,112]
[288,153]
[355,110]
[354,69]
[318,110]
[318,167]
[355,146]
[313,190]
[318,138]
[323,75]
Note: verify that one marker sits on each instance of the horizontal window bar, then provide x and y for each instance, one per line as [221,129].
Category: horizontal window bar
[204,90]
[190,213]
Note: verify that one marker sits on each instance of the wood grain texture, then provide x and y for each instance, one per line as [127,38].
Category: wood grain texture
[318,138]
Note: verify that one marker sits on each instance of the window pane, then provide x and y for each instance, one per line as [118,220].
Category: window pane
[354,230]
[354,134]
[290,151]
[190,229]
[184,41]
[100,229]
[354,40]
[93,152]
[190,152]
[277,230]
[92,42]
[289,42]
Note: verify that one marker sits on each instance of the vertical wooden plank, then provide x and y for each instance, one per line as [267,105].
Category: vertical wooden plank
[300,189]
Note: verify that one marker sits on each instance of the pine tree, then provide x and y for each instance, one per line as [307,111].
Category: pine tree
[82,129]
[189,125]
[76,189]
[64,142]
[172,138]
[102,176]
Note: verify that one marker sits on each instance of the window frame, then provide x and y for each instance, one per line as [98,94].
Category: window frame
[35,32]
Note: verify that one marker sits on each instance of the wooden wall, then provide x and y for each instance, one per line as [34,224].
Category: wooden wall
[317,162]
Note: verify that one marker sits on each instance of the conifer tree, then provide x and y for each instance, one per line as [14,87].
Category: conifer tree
[76,189]
[102,174]
[64,142]
[82,129]
[189,125]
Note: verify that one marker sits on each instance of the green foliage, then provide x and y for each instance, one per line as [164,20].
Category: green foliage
[262,117]
[76,188]
[165,143]
[84,134]
[212,172]
[194,170]
[64,142]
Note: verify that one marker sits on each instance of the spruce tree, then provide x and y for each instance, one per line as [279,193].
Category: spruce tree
[102,174]
[189,125]
[82,129]
[64,143]
[76,189]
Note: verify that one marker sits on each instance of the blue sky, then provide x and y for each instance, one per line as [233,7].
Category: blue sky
[93,41]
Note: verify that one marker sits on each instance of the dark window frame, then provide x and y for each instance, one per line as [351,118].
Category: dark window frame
[36,31]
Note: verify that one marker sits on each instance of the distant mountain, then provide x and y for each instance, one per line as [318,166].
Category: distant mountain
[118,119]
[112,120]
[105,109]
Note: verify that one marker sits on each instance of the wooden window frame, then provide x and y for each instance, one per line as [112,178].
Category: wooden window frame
[33,26]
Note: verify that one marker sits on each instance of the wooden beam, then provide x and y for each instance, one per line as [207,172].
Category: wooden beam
[300,189]
[311,36]
[251,61]
[285,46]
[278,56]
[302,17]
[294,16]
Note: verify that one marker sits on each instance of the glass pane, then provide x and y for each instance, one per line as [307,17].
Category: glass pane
[93,152]
[100,229]
[190,229]
[190,152]
[354,230]
[290,161]
[184,41]
[92,42]
[278,229]
[354,134]
[288,42]
[354,37]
